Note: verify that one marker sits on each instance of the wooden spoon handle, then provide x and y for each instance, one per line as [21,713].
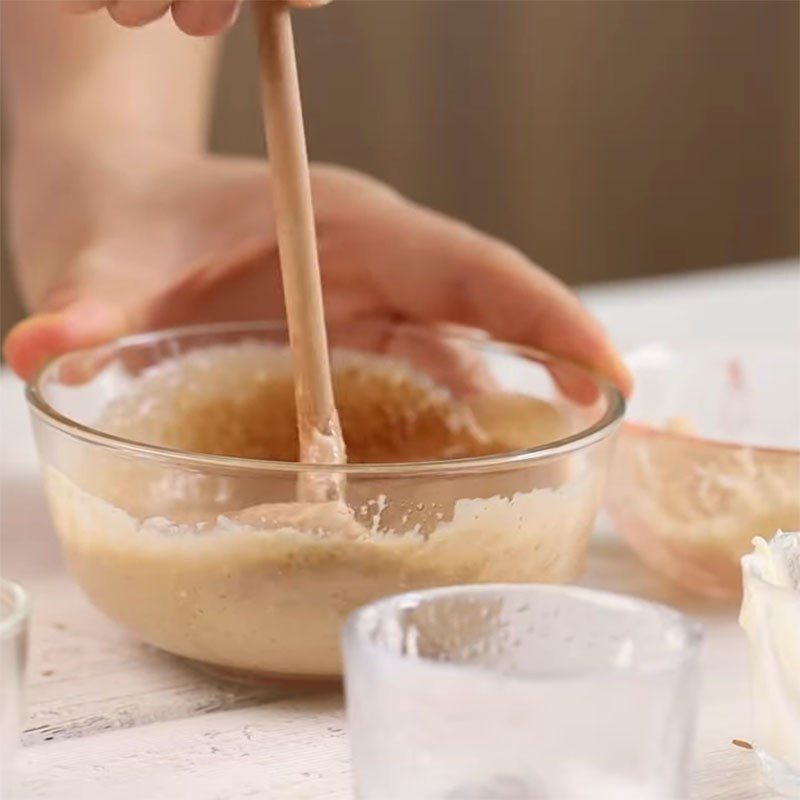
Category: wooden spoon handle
[318,422]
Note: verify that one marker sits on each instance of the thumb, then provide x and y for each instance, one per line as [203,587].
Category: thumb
[82,323]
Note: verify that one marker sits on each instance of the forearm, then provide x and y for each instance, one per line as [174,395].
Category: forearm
[87,79]
[91,107]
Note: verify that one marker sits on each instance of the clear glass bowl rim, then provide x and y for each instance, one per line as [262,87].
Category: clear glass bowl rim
[603,428]
[13,624]
[646,429]
[354,640]
[637,427]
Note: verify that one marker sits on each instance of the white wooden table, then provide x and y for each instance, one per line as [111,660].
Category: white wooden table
[115,719]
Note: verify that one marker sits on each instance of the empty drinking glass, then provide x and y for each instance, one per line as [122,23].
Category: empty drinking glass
[528,692]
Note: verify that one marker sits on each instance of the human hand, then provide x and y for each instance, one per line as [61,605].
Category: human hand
[192,238]
[195,17]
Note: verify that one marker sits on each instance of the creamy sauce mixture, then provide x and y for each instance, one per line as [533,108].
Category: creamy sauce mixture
[230,569]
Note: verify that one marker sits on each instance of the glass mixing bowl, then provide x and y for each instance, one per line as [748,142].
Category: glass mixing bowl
[211,557]
[708,458]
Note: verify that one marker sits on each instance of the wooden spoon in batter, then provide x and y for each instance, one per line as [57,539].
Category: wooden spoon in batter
[317,420]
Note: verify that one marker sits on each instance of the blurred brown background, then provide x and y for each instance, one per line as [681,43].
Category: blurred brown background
[605,139]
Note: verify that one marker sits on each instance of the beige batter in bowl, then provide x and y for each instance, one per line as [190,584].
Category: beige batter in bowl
[170,472]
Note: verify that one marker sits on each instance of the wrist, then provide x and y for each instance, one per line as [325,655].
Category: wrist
[65,190]
[87,78]
[96,136]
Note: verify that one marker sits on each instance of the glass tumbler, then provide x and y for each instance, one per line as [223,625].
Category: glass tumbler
[13,650]
[527,692]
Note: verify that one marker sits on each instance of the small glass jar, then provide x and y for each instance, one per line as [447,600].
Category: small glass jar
[502,691]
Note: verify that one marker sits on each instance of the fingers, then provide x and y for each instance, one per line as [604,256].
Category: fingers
[136,13]
[204,17]
[471,279]
[195,17]
[36,340]
[444,359]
